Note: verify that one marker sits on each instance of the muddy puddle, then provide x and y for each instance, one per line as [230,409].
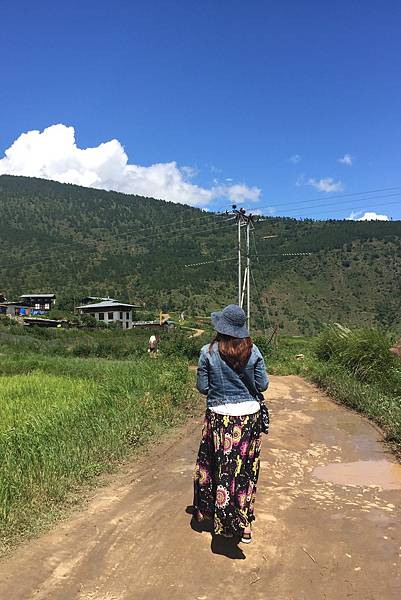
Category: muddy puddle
[364,473]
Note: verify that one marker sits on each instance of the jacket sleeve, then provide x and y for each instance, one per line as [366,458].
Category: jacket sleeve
[202,377]
[261,377]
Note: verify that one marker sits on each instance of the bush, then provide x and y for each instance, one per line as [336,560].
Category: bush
[262,342]
[178,344]
[89,321]
[364,352]
[331,341]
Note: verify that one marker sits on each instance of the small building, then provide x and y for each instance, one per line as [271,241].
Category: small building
[14,309]
[110,311]
[38,301]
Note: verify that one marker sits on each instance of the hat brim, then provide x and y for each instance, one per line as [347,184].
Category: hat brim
[222,326]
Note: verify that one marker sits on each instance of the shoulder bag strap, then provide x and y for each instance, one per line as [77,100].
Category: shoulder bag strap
[245,380]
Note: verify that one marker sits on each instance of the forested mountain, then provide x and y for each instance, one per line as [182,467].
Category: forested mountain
[78,241]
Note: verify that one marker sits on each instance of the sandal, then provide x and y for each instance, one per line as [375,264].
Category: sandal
[246,537]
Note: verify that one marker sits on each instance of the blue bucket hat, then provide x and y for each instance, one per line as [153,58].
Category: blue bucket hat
[230,321]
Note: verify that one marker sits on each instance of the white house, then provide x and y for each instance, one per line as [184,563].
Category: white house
[110,311]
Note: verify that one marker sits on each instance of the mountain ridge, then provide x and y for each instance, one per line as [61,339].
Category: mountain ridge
[80,241]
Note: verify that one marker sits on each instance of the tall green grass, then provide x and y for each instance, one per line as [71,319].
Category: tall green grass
[65,420]
[104,343]
[363,352]
[354,366]
[108,342]
[285,357]
[357,368]
[368,399]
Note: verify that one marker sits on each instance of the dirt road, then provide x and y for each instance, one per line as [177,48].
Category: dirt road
[314,539]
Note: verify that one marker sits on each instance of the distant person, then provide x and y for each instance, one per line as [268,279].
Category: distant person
[227,467]
[152,346]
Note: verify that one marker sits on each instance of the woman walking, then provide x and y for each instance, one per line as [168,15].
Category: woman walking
[231,370]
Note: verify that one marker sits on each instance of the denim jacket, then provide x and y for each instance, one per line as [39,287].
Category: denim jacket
[221,385]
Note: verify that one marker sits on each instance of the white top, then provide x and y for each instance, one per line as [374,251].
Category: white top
[236,409]
[152,339]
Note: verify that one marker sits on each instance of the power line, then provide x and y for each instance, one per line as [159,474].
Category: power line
[188,265]
[179,232]
[217,213]
[207,216]
[144,237]
[330,206]
[218,224]
[311,201]
[116,245]
[287,255]
[297,215]
[209,262]
[323,198]
[322,253]
[350,194]
[109,245]
[121,247]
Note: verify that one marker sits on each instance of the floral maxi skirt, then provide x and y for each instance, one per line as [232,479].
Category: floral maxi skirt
[227,470]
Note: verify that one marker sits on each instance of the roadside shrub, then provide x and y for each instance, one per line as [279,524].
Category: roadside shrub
[331,341]
[178,344]
[367,354]
[262,342]
[368,399]
[364,352]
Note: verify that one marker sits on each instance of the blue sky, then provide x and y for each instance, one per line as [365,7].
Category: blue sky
[211,101]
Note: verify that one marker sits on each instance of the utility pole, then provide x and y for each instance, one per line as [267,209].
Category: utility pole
[239,258]
[248,274]
[244,279]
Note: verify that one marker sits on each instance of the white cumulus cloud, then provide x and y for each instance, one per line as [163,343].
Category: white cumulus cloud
[238,193]
[326,184]
[346,160]
[53,154]
[367,216]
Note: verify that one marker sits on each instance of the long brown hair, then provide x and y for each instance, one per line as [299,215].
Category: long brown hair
[236,351]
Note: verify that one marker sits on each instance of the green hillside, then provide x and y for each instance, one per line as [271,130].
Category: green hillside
[78,241]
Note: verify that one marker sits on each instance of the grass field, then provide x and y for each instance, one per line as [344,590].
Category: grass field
[107,342]
[64,420]
[75,402]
